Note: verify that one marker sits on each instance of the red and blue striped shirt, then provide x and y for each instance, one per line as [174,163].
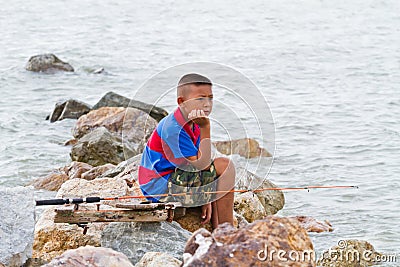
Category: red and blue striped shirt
[171,142]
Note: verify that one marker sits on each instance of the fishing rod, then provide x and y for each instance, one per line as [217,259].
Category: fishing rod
[62,201]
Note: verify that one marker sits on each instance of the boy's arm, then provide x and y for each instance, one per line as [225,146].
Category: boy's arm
[203,158]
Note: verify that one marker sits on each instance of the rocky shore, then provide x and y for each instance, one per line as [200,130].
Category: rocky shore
[108,139]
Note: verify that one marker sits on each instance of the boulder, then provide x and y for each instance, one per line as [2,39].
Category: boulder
[97,171]
[132,125]
[128,167]
[257,244]
[272,200]
[70,109]
[249,206]
[52,239]
[136,238]
[100,147]
[158,259]
[245,147]
[91,256]
[350,253]
[76,169]
[112,99]
[17,222]
[312,225]
[51,182]
[47,63]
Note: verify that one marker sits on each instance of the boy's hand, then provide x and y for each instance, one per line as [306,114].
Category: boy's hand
[206,213]
[199,117]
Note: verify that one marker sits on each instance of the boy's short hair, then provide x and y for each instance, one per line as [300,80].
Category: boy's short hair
[193,78]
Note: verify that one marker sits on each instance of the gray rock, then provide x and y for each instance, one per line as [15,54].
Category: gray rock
[90,256]
[135,239]
[100,147]
[47,63]
[17,224]
[70,109]
[158,259]
[112,99]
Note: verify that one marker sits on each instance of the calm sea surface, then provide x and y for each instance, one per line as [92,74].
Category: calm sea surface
[330,71]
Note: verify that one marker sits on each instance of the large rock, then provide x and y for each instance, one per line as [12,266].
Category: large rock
[112,99]
[251,245]
[17,222]
[249,206]
[47,63]
[100,147]
[128,167]
[70,109]
[91,256]
[350,253]
[76,169]
[272,200]
[136,238]
[132,125]
[52,239]
[51,182]
[245,147]
[158,259]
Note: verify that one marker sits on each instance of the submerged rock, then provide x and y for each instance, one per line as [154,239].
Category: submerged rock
[100,147]
[136,238]
[112,99]
[245,147]
[91,256]
[251,245]
[312,225]
[17,222]
[47,63]
[158,259]
[70,109]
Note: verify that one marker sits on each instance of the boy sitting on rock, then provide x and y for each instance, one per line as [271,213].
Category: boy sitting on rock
[177,157]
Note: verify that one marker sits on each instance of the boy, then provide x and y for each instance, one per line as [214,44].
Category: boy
[177,157]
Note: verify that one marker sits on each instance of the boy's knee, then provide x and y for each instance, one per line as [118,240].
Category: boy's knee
[222,164]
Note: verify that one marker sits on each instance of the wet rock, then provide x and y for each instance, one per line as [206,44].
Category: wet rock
[250,245]
[91,256]
[249,206]
[76,169]
[97,171]
[100,147]
[17,222]
[136,238]
[47,63]
[70,109]
[112,99]
[246,147]
[272,200]
[52,239]
[312,225]
[349,253]
[158,259]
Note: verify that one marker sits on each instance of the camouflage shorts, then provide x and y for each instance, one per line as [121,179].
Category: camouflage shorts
[194,183]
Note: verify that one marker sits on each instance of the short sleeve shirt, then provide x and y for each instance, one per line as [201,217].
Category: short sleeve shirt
[171,142]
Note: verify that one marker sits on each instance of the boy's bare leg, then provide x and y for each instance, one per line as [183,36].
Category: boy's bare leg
[214,215]
[226,181]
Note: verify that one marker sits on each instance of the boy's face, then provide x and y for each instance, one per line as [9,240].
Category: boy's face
[198,97]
